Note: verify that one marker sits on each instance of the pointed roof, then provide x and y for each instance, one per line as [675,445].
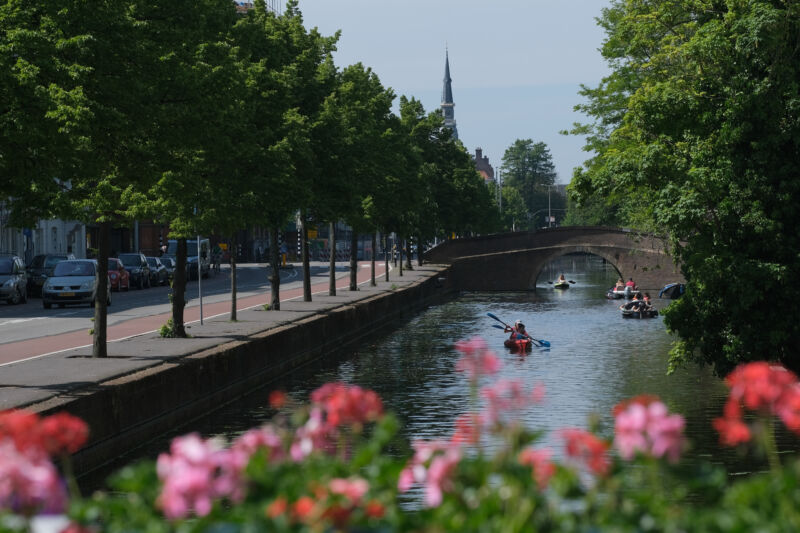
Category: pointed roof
[447,90]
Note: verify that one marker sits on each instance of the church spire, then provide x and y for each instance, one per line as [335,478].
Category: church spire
[447,97]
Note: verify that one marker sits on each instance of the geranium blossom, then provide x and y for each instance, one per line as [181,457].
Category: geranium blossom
[766,388]
[29,483]
[195,473]
[432,465]
[347,404]
[586,447]
[539,461]
[476,360]
[505,396]
[644,426]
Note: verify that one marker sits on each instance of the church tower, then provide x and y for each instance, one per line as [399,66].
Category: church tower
[447,98]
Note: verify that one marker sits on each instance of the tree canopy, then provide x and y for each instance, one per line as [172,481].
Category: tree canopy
[698,123]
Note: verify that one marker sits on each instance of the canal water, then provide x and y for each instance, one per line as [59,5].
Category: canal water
[596,359]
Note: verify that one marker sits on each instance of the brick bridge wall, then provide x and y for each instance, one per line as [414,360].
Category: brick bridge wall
[513,261]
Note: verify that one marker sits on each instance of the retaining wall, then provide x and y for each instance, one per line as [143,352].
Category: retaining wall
[148,403]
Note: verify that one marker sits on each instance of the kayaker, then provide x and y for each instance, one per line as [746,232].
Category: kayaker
[517,331]
[561,278]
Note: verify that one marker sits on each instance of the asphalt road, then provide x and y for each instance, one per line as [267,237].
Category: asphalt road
[31,321]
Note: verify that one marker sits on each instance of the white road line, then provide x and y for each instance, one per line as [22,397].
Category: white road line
[155,330]
[21,320]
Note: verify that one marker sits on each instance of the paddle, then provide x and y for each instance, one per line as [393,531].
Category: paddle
[539,342]
[568,280]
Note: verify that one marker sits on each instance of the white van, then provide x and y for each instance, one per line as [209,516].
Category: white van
[192,256]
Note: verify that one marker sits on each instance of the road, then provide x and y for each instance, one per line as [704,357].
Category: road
[28,330]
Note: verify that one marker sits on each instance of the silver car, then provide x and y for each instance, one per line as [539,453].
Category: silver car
[13,279]
[73,282]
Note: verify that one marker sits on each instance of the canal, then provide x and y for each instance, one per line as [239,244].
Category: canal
[596,359]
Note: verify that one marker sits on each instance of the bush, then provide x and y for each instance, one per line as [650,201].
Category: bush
[335,465]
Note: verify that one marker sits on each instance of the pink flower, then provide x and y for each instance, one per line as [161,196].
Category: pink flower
[432,465]
[467,429]
[29,483]
[477,360]
[263,438]
[195,474]
[504,397]
[353,488]
[648,429]
[539,461]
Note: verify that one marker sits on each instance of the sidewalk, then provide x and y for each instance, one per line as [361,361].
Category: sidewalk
[68,373]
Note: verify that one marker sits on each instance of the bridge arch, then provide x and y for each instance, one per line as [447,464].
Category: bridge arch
[512,261]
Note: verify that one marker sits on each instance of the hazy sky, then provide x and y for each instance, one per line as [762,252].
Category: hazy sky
[516,65]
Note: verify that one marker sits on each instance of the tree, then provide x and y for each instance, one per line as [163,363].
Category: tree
[702,129]
[528,168]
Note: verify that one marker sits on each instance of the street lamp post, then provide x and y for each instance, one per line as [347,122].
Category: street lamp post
[549,217]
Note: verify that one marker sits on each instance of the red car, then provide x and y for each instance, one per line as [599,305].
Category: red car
[117,275]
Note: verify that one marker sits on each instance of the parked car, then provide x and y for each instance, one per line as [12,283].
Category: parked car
[137,267]
[169,264]
[192,256]
[117,275]
[40,267]
[158,272]
[73,282]
[13,279]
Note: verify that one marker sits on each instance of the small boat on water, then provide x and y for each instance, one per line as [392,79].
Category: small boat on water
[635,313]
[627,293]
[518,345]
[673,291]
[561,285]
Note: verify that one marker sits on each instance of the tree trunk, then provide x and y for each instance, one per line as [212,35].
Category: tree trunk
[304,252]
[409,266]
[386,256]
[275,276]
[332,260]
[233,281]
[419,251]
[353,260]
[399,246]
[100,334]
[179,290]
[372,281]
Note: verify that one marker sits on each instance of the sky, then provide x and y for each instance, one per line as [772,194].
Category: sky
[516,65]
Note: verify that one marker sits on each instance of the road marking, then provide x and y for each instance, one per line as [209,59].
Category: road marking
[21,320]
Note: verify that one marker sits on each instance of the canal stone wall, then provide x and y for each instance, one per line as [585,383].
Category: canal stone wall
[134,408]
[513,261]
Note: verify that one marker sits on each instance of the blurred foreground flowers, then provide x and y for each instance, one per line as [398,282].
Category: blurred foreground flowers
[337,464]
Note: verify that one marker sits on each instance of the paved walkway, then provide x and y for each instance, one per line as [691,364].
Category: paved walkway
[69,371]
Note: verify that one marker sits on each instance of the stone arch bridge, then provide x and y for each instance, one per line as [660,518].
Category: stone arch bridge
[513,261]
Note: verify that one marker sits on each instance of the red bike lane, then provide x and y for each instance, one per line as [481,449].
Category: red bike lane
[27,349]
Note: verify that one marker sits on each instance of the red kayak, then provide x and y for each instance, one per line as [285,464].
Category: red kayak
[518,345]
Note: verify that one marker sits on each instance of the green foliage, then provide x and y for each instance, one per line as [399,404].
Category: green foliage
[167,330]
[697,123]
[528,169]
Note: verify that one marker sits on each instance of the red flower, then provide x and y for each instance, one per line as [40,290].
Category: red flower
[585,446]
[642,399]
[347,404]
[759,385]
[539,461]
[22,427]
[302,508]
[732,431]
[63,433]
[374,509]
[277,399]
[277,507]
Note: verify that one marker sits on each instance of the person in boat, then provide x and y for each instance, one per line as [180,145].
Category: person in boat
[561,279]
[620,286]
[630,283]
[517,331]
[647,306]
[634,305]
